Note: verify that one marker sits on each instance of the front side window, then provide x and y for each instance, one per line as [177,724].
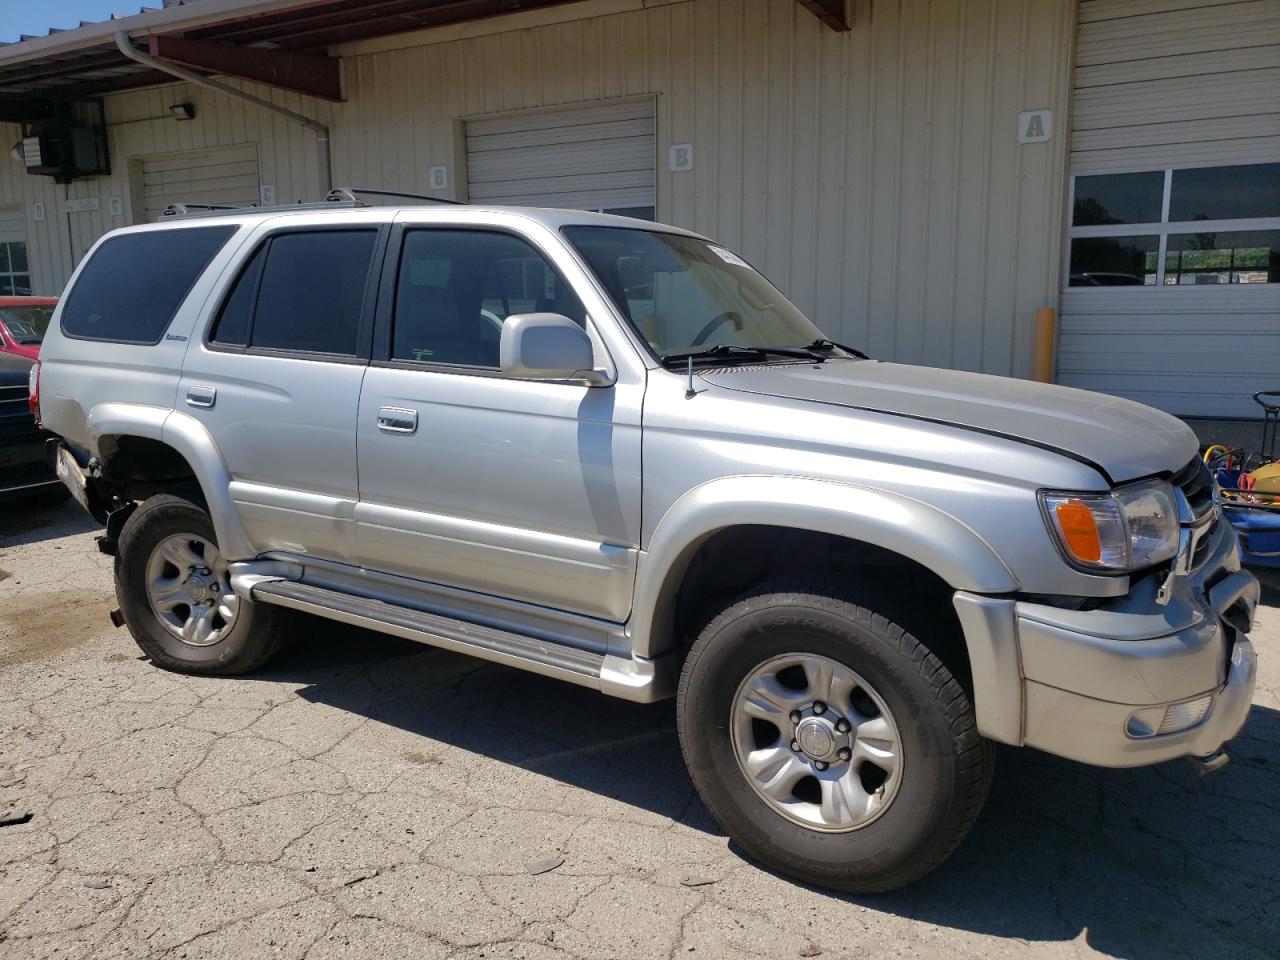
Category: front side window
[310,296]
[1194,226]
[456,288]
[133,284]
[683,295]
[27,324]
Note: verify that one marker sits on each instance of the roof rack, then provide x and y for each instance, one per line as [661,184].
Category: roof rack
[337,197]
[217,209]
[349,193]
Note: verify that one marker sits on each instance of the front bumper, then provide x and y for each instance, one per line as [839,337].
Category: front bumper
[1133,682]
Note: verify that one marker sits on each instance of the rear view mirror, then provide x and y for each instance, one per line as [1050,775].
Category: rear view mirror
[548,346]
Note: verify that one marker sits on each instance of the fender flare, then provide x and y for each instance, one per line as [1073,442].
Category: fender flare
[189,437]
[912,528]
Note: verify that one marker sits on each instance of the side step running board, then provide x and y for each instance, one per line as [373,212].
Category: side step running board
[514,649]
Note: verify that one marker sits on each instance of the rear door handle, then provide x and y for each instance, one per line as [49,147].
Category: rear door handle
[397,420]
[201,396]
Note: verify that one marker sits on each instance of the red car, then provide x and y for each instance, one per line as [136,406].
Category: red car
[23,321]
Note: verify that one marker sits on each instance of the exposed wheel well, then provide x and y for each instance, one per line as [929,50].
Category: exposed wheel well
[732,560]
[139,467]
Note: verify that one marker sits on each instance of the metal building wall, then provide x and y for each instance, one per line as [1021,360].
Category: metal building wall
[139,125]
[874,175]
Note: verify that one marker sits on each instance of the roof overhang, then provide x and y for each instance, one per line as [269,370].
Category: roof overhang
[278,42]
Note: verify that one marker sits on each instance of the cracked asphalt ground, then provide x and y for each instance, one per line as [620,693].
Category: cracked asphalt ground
[369,797]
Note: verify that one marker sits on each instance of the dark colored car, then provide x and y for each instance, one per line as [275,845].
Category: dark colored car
[23,321]
[24,468]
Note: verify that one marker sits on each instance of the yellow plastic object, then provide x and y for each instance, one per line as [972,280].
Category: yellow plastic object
[1214,450]
[1080,531]
[1044,343]
[1266,479]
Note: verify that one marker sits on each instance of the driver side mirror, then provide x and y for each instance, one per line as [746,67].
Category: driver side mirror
[548,346]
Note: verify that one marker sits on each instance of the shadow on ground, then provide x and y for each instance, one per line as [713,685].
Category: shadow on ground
[1148,864]
[33,519]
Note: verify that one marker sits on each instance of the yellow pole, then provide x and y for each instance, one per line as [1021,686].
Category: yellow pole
[1045,318]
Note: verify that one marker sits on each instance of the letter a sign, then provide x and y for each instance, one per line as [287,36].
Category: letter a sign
[1035,126]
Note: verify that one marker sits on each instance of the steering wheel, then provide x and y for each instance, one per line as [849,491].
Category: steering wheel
[727,317]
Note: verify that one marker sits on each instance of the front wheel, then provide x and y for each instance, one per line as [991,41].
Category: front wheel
[828,741]
[174,589]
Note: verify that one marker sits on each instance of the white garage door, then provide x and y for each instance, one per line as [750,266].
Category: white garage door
[600,157]
[15,272]
[1173,252]
[222,175]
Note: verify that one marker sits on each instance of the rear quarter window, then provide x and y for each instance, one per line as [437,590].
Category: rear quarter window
[133,284]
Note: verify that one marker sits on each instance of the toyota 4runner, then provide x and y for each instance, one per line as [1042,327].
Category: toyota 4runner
[609,451]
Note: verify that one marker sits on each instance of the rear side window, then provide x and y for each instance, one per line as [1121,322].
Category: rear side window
[312,291]
[232,326]
[130,289]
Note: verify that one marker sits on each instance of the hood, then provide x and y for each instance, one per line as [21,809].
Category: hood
[1122,439]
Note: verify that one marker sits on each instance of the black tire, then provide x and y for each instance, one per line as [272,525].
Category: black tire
[258,633]
[947,765]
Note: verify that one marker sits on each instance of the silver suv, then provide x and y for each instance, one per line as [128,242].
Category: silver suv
[611,452]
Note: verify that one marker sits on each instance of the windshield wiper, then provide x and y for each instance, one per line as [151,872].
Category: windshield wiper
[725,351]
[825,345]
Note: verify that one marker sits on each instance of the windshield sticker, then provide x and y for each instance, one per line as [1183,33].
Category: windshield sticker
[728,256]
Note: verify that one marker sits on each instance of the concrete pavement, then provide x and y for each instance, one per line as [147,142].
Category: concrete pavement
[368,797]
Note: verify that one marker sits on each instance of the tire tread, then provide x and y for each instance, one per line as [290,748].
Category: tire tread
[975,754]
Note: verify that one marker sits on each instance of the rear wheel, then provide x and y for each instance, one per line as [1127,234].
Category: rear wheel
[174,589]
[828,741]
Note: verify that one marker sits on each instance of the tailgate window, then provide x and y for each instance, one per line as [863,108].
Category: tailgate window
[130,289]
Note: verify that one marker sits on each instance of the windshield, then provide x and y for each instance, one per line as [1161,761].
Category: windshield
[685,296]
[26,324]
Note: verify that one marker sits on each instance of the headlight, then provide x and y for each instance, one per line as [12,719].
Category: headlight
[1127,529]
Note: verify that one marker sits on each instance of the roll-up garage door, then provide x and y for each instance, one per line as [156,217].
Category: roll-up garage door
[1172,279]
[600,157]
[13,225]
[220,175]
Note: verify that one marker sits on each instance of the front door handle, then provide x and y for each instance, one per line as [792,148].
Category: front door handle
[397,420]
[201,396]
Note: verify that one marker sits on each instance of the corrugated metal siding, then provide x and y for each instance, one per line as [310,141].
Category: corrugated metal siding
[1174,83]
[139,125]
[593,158]
[874,175]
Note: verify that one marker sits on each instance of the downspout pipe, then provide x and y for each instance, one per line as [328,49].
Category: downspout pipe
[320,130]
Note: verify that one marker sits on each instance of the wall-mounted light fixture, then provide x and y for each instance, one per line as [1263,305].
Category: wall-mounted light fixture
[182,111]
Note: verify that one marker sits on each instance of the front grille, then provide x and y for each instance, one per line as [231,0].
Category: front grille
[1196,484]
[1203,548]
